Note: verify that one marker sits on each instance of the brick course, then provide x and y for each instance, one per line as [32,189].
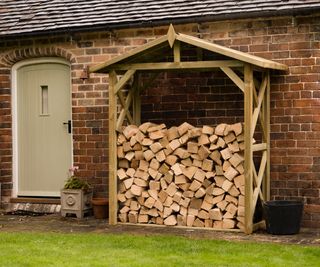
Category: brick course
[200,98]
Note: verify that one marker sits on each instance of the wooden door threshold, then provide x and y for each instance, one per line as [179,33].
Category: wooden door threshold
[35,200]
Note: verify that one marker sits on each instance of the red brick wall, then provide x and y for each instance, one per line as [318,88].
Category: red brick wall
[295,119]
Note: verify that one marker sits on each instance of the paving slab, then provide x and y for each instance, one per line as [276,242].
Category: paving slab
[54,223]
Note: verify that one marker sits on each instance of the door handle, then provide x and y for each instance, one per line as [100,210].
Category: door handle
[69,126]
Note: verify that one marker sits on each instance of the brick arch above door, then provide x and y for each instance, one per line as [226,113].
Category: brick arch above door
[14,56]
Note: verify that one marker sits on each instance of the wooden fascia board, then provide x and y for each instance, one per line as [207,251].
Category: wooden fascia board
[254,60]
[178,65]
[103,67]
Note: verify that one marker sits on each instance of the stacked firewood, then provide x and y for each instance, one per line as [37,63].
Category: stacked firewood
[183,175]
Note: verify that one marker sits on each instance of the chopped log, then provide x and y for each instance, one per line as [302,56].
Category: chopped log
[197,163]
[140,182]
[190,171]
[200,193]
[186,162]
[207,130]
[171,190]
[184,127]
[192,211]
[219,180]
[121,173]
[153,194]
[181,220]
[203,152]
[190,220]
[168,177]
[215,214]
[208,223]
[226,164]
[167,151]
[236,159]
[206,205]
[123,163]
[159,221]
[133,141]
[192,147]
[143,218]
[219,130]
[240,169]
[213,139]
[195,203]
[184,139]
[145,126]
[174,144]
[133,217]
[147,142]
[134,206]
[143,165]
[123,217]
[218,191]
[153,173]
[163,184]
[183,211]
[230,173]
[175,207]
[121,139]
[172,133]
[177,197]
[153,212]
[128,183]
[171,220]
[130,131]
[228,224]
[149,202]
[120,152]
[188,194]
[239,181]
[203,139]
[162,196]
[134,164]
[226,153]
[203,215]
[155,128]
[195,132]
[168,202]
[231,199]
[236,128]
[229,138]
[130,172]
[136,190]
[171,159]
[138,155]
[141,174]
[155,147]
[139,137]
[148,155]
[153,185]
[184,202]
[207,165]
[226,185]
[242,190]
[206,183]
[216,157]
[195,185]
[121,198]
[158,205]
[240,211]
[181,153]
[234,147]
[232,209]
[210,175]
[233,191]
[180,179]
[160,156]
[217,199]
[198,223]
[164,168]
[222,205]
[176,168]
[221,143]
[217,224]
[240,137]
[200,175]
[167,211]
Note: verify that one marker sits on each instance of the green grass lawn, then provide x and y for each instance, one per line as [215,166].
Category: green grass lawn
[40,249]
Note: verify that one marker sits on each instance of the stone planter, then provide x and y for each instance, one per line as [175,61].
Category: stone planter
[75,201]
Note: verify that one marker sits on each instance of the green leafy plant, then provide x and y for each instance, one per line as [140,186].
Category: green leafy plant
[74,182]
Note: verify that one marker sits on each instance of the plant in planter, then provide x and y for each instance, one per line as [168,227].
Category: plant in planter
[76,196]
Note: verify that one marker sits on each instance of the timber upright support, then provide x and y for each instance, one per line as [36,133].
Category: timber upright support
[248,153]
[113,202]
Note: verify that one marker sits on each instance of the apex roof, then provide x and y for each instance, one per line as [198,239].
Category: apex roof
[21,17]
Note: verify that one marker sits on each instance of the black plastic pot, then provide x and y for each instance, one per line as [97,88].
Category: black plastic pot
[283,217]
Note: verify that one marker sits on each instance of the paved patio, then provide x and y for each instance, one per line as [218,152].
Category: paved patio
[57,224]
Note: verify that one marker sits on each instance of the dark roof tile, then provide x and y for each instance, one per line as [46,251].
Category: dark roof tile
[36,16]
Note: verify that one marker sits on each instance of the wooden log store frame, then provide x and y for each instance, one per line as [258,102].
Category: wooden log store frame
[256,104]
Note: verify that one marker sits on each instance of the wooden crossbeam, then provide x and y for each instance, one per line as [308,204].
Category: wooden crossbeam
[123,80]
[259,147]
[257,109]
[125,106]
[234,77]
[178,65]
[123,111]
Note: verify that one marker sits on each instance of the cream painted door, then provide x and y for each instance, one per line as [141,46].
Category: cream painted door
[44,143]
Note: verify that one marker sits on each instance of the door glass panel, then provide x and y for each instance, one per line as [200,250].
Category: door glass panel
[44,100]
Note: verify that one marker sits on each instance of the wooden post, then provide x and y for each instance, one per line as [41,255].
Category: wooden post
[112,150]
[136,100]
[248,153]
[176,51]
[266,119]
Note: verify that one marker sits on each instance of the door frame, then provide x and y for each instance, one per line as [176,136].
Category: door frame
[14,110]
